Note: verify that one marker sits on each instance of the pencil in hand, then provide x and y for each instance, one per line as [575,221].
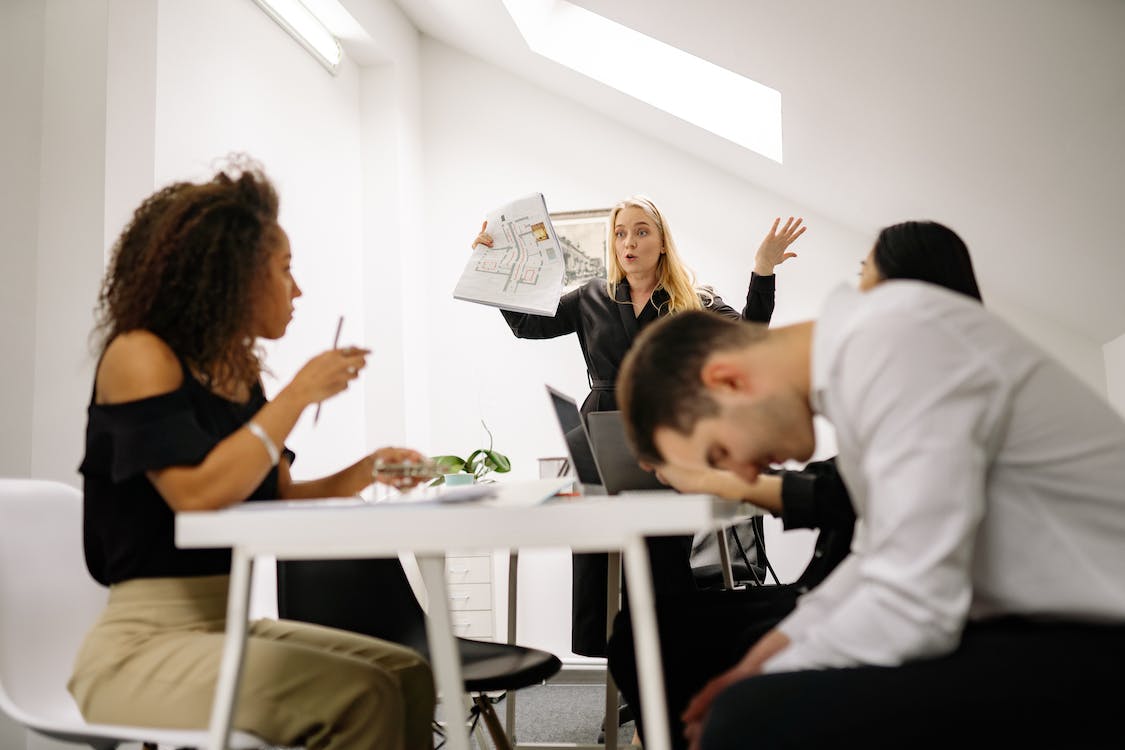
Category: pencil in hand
[335,344]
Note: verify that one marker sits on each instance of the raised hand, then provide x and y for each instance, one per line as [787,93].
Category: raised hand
[484,238]
[328,373]
[774,248]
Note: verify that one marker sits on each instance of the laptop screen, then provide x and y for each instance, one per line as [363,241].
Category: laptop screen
[577,441]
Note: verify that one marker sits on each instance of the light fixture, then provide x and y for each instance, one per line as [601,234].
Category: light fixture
[306,28]
[716,99]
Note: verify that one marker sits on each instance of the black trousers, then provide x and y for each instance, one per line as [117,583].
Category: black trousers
[702,633]
[670,558]
[1011,683]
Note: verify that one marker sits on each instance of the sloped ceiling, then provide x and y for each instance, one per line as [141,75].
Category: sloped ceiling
[1003,118]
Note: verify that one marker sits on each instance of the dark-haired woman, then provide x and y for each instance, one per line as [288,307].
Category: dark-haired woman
[178,422]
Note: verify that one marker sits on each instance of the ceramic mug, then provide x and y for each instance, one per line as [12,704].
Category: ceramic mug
[453,480]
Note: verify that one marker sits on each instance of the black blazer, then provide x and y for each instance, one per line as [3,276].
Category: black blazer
[606,328]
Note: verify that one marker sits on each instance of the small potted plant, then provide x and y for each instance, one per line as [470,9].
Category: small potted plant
[479,464]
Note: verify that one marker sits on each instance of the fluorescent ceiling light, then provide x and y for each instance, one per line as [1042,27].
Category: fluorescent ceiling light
[691,88]
[307,29]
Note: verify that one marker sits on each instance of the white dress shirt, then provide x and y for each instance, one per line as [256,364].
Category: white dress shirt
[988,480]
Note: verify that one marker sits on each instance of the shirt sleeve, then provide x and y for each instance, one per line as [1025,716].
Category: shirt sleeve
[818,604]
[565,320]
[759,301]
[815,498]
[919,408]
[760,297]
[152,433]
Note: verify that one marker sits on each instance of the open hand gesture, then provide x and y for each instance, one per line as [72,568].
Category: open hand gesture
[774,248]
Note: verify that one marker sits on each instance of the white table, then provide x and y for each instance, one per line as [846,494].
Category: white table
[346,528]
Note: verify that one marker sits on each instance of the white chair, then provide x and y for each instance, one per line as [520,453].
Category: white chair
[47,603]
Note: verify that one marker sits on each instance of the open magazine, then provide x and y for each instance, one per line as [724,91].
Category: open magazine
[524,269]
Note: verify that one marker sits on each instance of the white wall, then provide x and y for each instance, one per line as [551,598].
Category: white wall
[390,111]
[21,114]
[1114,355]
[1078,353]
[51,119]
[71,222]
[130,130]
[230,80]
[112,98]
[490,137]
[21,48]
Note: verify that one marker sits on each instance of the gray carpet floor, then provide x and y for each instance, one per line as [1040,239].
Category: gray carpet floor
[561,713]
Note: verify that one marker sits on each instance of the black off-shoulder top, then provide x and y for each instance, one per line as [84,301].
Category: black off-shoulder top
[128,528]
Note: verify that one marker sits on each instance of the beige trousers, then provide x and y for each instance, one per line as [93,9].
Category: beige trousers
[152,659]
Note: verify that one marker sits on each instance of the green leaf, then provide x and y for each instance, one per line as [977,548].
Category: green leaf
[479,463]
[450,464]
[500,463]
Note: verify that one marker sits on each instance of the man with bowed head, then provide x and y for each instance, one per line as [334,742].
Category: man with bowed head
[983,596]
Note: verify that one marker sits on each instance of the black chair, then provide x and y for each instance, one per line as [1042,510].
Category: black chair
[373,597]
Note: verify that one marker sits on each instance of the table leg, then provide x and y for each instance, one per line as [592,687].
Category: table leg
[444,656]
[234,645]
[724,559]
[513,585]
[650,671]
[612,607]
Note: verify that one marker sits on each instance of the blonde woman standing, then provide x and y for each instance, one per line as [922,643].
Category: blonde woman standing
[647,280]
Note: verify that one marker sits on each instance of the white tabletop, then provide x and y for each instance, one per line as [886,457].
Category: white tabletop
[347,527]
[515,518]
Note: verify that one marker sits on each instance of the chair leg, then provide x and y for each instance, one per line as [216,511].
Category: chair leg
[492,723]
[478,725]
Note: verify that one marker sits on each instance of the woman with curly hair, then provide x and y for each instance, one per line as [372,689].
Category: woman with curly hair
[178,421]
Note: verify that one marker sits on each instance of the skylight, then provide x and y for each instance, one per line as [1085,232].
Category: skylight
[713,98]
[307,29]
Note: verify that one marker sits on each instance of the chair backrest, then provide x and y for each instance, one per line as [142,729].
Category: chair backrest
[368,596]
[47,599]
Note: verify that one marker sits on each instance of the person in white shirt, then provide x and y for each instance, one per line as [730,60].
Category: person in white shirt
[984,591]
[705,633]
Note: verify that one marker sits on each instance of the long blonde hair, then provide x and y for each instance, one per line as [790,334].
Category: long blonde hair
[674,277]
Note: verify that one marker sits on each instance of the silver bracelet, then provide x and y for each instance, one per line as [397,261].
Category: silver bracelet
[267,442]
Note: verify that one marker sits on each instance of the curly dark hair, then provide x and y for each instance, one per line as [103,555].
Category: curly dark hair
[186,266]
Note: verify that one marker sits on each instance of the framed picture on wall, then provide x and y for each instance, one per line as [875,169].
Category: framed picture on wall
[582,235]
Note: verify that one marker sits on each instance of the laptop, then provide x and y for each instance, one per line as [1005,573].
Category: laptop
[605,465]
[577,442]
[619,467]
